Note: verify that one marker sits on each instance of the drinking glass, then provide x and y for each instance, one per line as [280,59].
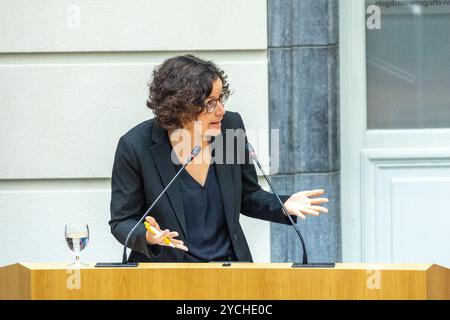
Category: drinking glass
[77,238]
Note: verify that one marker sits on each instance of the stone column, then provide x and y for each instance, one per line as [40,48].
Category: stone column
[303,105]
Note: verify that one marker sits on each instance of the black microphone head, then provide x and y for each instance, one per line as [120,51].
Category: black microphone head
[251,151]
[196,151]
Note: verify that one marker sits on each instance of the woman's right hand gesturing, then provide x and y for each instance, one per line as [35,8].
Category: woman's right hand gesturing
[159,239]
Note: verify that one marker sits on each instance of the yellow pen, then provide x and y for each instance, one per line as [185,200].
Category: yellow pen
[156,232]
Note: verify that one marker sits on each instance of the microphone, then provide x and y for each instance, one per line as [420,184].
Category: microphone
[195,151]
[253,156]
[193,154]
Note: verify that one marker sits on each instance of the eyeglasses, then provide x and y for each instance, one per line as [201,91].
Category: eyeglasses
[211,106]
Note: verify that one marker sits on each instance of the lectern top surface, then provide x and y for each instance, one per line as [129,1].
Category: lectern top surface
[237,265]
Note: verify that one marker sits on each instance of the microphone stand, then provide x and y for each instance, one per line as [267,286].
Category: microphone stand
[124,262]
[304,263]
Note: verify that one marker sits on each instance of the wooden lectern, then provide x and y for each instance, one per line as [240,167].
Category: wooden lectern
[259,281]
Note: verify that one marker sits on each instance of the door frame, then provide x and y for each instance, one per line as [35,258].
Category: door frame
[352,71]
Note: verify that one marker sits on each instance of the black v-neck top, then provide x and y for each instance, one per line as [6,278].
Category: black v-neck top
[207,234]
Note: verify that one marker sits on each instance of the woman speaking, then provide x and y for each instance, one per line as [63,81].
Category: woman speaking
[198,217]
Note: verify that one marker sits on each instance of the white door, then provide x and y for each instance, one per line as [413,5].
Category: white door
[395,131]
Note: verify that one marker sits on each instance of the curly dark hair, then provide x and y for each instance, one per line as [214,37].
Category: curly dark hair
[179,88]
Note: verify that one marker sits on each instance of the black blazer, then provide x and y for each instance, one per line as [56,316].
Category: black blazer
[143,167]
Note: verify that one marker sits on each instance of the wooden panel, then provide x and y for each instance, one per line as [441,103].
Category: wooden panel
[240,281]
[438,283]
[14,282]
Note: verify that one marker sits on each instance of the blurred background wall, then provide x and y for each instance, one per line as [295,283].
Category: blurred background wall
[73,79]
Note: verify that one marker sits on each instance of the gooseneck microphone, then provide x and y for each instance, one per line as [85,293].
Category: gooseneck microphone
[193,154]
[252,154]
[305,263]
[195,151]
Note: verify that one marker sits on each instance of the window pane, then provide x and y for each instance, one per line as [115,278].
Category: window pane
[408,64]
